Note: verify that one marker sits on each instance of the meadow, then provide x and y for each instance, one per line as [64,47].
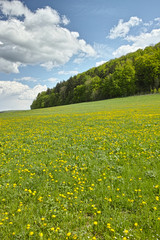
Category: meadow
[82,171]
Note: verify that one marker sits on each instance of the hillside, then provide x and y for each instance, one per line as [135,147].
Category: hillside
[134,73]
[87,171]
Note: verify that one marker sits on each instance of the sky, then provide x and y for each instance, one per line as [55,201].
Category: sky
[43,42]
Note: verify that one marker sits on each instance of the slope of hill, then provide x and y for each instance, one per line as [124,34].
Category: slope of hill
[134,73]
[81,171]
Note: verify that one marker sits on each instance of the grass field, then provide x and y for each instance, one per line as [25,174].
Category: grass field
[83,171]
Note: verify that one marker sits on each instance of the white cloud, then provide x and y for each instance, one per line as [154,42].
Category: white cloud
[68,73]
[31,93]
[65,20]
[17,96]
[78,60]
[148,24]
[157,21]
[99,63]
[27,79]
[12,88]
[49,65]
[8,66]
[141,41]
[122,29]
[38,38]
[13,8]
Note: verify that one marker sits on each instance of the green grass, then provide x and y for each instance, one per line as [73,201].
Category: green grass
[83,171]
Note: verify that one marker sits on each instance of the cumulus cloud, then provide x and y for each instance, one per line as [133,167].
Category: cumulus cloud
[149,34]
[141,41]
[8,66]
[36,38]
[13,8]
[123,28]
[31,93]
[16,96]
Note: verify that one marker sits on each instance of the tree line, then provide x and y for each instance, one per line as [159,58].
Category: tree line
[134,73]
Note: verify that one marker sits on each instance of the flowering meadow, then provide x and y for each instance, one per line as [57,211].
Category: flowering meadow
[82,171]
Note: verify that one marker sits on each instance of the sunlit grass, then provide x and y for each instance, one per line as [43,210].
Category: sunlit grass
[84,171]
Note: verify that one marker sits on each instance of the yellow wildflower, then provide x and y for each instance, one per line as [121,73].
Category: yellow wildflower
[125,231]
[41,234]
[68,234]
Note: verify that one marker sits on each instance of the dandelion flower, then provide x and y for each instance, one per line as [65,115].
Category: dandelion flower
[68,234]
[41,234]
[125,231]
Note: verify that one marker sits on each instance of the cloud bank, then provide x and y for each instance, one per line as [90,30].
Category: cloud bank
[145,37]
[141,41]
[17,96]
[38,37]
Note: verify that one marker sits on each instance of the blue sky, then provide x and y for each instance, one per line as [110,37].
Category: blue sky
[46,41]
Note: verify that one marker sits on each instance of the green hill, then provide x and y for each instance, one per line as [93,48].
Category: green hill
[134,73]
[87,171]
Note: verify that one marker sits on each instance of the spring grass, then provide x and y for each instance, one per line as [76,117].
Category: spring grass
[82,171]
